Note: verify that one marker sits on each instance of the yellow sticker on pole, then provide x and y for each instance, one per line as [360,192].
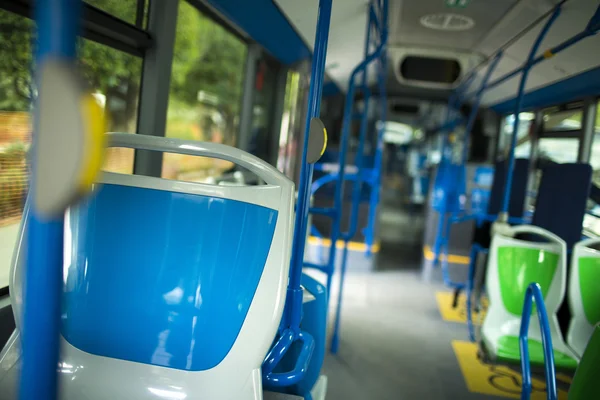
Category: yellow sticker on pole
[494,380]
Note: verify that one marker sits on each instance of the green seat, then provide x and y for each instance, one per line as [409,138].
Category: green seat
[586,384]
[508,352]
[513,264]
[584,294]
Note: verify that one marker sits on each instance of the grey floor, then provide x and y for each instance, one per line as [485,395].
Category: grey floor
[394,344]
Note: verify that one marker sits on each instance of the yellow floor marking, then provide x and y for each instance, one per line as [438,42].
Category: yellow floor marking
[452,258]
[353,246]
[458,314]
[564,378]
[494,380]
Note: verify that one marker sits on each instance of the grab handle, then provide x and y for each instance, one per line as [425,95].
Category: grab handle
[283,345]
[262,169]
[541,232]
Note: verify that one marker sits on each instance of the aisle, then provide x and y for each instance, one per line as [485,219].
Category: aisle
[395,345]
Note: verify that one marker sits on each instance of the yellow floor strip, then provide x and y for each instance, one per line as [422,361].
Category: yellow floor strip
[353,246]
[452,258]
[494,380]
[458,314]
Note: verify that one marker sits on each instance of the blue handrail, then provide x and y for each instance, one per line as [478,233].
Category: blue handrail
[443,232]
[534,293]
[377,54]
[589,30]
[518,106]
[292,317]
[476,103]
[57,26]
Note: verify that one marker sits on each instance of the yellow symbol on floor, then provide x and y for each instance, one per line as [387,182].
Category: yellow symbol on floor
[459,313]
[494,380]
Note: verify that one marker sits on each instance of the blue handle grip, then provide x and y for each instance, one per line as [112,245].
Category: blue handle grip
[284,379]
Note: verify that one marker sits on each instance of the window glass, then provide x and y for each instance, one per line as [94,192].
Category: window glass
[592,222]
[568,120]
[289,120]
[113,77]
[205,94]
[560,150]
[261,138]
[123,9]
[595,154]
[523,146]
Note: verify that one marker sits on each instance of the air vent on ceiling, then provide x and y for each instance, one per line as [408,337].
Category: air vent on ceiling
[447,22]
[430,69]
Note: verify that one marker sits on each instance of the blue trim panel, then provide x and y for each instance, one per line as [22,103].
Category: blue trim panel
[574,88]
[162,278]
[264,22]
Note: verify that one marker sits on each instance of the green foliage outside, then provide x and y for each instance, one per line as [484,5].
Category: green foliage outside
[207,58]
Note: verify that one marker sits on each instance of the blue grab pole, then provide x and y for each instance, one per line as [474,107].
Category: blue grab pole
[476,103]
[378,161]
[290,332]
[314,107]
[57,27]
[534,293]
[362,67]
[518,106]
[590,30]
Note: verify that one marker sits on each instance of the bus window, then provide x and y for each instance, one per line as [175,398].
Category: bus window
[114,79]
[523,148]
[562,120]
[205,93]
[591,221]
[560,150]
[122,9]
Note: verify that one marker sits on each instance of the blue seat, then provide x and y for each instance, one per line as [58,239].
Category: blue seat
[170,288]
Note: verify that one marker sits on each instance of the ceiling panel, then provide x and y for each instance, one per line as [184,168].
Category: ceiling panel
[572,61]
[346,36]
[406,28]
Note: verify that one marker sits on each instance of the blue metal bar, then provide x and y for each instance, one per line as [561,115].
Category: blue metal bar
[475,250]
[520,94]
[378,53]
[293,307]
[357,189]
[534,293]
[322,211]
[374,20]
[476,104]
[314,106]
[324,268]
[57,27]
[591,29]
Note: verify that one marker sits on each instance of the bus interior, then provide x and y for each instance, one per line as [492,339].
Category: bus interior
[284,199]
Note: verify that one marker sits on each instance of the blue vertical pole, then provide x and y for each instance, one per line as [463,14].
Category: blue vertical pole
[476,103]
[306,173]
[57,26]
[518,105]
[378,52]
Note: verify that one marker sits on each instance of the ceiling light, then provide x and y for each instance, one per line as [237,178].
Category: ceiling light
[447,22]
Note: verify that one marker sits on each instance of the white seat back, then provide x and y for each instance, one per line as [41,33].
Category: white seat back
[584,294]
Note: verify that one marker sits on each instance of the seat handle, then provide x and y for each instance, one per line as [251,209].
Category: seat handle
[262,169]
[538,231]
[283,345]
